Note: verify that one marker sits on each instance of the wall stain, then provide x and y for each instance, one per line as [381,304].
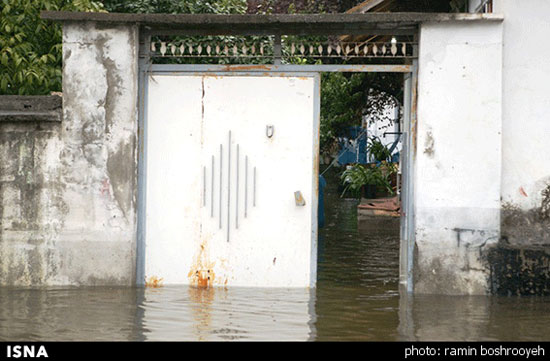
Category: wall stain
[429,144]
[519,264]
[526,227]
[519,271]
[114,82]
[121,173]
[545,203]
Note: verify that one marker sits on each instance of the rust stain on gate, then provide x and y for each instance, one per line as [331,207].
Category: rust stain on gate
[202,273]
[153,282]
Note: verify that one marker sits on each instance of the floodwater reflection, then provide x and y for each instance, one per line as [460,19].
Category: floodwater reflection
[214,314]
[474,318]
[159,314]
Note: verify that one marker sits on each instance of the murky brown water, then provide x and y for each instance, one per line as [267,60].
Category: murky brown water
[357,298]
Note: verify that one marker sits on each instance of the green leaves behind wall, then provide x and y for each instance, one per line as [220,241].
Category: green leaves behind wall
[30,48]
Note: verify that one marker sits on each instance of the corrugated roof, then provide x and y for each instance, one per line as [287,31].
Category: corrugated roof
[369,6]
[372,6]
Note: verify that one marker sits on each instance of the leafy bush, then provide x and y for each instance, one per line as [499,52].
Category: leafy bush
[342,103]
[30,48]
[177,6]
[378,150]
[357,176]
[347,97]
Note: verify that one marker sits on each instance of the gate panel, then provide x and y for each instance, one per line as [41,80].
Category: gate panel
[231,217]
[173,188]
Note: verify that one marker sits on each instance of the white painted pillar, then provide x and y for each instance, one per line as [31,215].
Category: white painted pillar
[458,155]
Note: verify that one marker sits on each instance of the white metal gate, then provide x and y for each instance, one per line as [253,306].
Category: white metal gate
[231,175]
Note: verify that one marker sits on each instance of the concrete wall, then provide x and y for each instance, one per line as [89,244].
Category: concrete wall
[505,253]
[525,122]
[519,264]
[28,108]
[458,155]
[68,189]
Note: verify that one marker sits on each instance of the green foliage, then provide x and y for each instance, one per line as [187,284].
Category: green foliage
[296,6]
[357,176]
[343,99]
[177,6]
[378,150]
[30,48]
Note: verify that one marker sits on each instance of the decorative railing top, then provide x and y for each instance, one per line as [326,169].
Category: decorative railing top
[284,50]
[188,49]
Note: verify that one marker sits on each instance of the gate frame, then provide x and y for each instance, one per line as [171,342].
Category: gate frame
[410,71]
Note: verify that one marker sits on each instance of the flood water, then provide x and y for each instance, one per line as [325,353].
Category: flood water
[357,299]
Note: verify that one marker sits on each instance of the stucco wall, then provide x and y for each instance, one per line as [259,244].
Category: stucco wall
[525,122]
[519,262]
[458,155]
[68,190]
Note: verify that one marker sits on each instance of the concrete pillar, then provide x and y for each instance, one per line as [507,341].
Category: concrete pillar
[98,159]
[458,155]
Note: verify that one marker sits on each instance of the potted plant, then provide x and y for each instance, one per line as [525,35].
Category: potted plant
[374,179]
[369,180]
[378,150]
